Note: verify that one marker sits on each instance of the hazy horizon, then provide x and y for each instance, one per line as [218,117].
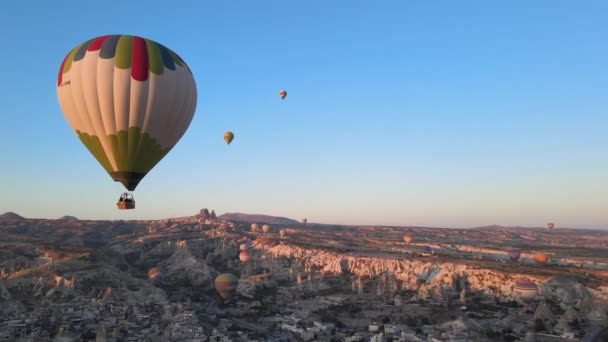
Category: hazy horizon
[402,113]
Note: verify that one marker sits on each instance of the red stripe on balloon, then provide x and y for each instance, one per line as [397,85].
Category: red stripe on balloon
[96,44]
[60,75]
[139,59]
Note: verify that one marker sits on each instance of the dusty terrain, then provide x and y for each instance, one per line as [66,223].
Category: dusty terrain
[73,280]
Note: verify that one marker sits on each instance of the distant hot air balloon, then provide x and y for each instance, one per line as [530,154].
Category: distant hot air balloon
[282,233]
[427,249]
[243,247]
[226,285]
[550,226]
[254,227]
[129,100]
[407,238]
[526,290]
[514,254]
[282,94]
[265,228]
[244,256]
[540,258]
[304,221]
[154,273]
[228,136]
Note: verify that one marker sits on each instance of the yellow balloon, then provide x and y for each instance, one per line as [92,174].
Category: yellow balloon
[228,136]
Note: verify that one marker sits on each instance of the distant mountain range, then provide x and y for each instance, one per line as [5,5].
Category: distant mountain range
[11,216]
[255,218]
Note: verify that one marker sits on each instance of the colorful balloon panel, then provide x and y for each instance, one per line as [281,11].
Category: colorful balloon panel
[226,285]
[526,289]
[514,254]
[129,100]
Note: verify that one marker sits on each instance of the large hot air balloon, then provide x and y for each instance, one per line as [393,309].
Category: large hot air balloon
[282,233]
[282,94]
[254,227]
[129,100]
[228,136]
[265,228]
[407,238]
[226,285]
[540,258]
[304,221]
[550,226]
[514,254]
[243,247]
[244,256]
[526,290]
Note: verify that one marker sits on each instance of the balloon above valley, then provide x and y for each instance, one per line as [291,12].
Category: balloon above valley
[129,100]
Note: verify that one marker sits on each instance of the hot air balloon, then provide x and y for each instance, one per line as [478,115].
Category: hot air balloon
[226,285]
[282,94]
[550,226]
[228,136]
[526,290]
[427,250]
[540,258]
[243,247]
[254,227]
[244,256]
[155,273]
[129,100]
[304,221]
[282,233]
[407,238]
[514,254]
[265,228]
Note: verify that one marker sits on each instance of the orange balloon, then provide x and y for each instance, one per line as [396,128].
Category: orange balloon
[541,258]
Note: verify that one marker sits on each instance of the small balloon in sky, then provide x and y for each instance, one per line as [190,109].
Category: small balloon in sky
[282,94]
[228,136]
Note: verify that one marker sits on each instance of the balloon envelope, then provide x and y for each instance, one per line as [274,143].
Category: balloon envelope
[514,254]
[550,226]
[282,233]
[265,228]
[407,238]
[226,285]
[526,289]
[244,256]
[228,136]
[254,227]
[540,258]
[282,94]
[154,273]
[128,99]
[427,249]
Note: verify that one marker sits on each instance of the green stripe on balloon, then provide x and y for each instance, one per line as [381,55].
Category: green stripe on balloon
[68,62]
[122,57]
[149,151]
[93,144]
[155,59]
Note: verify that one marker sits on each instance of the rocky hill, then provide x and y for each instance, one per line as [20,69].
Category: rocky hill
[11,216]
[75,279]
[256,218]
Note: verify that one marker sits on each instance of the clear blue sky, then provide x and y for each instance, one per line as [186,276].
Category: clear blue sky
[435,113]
